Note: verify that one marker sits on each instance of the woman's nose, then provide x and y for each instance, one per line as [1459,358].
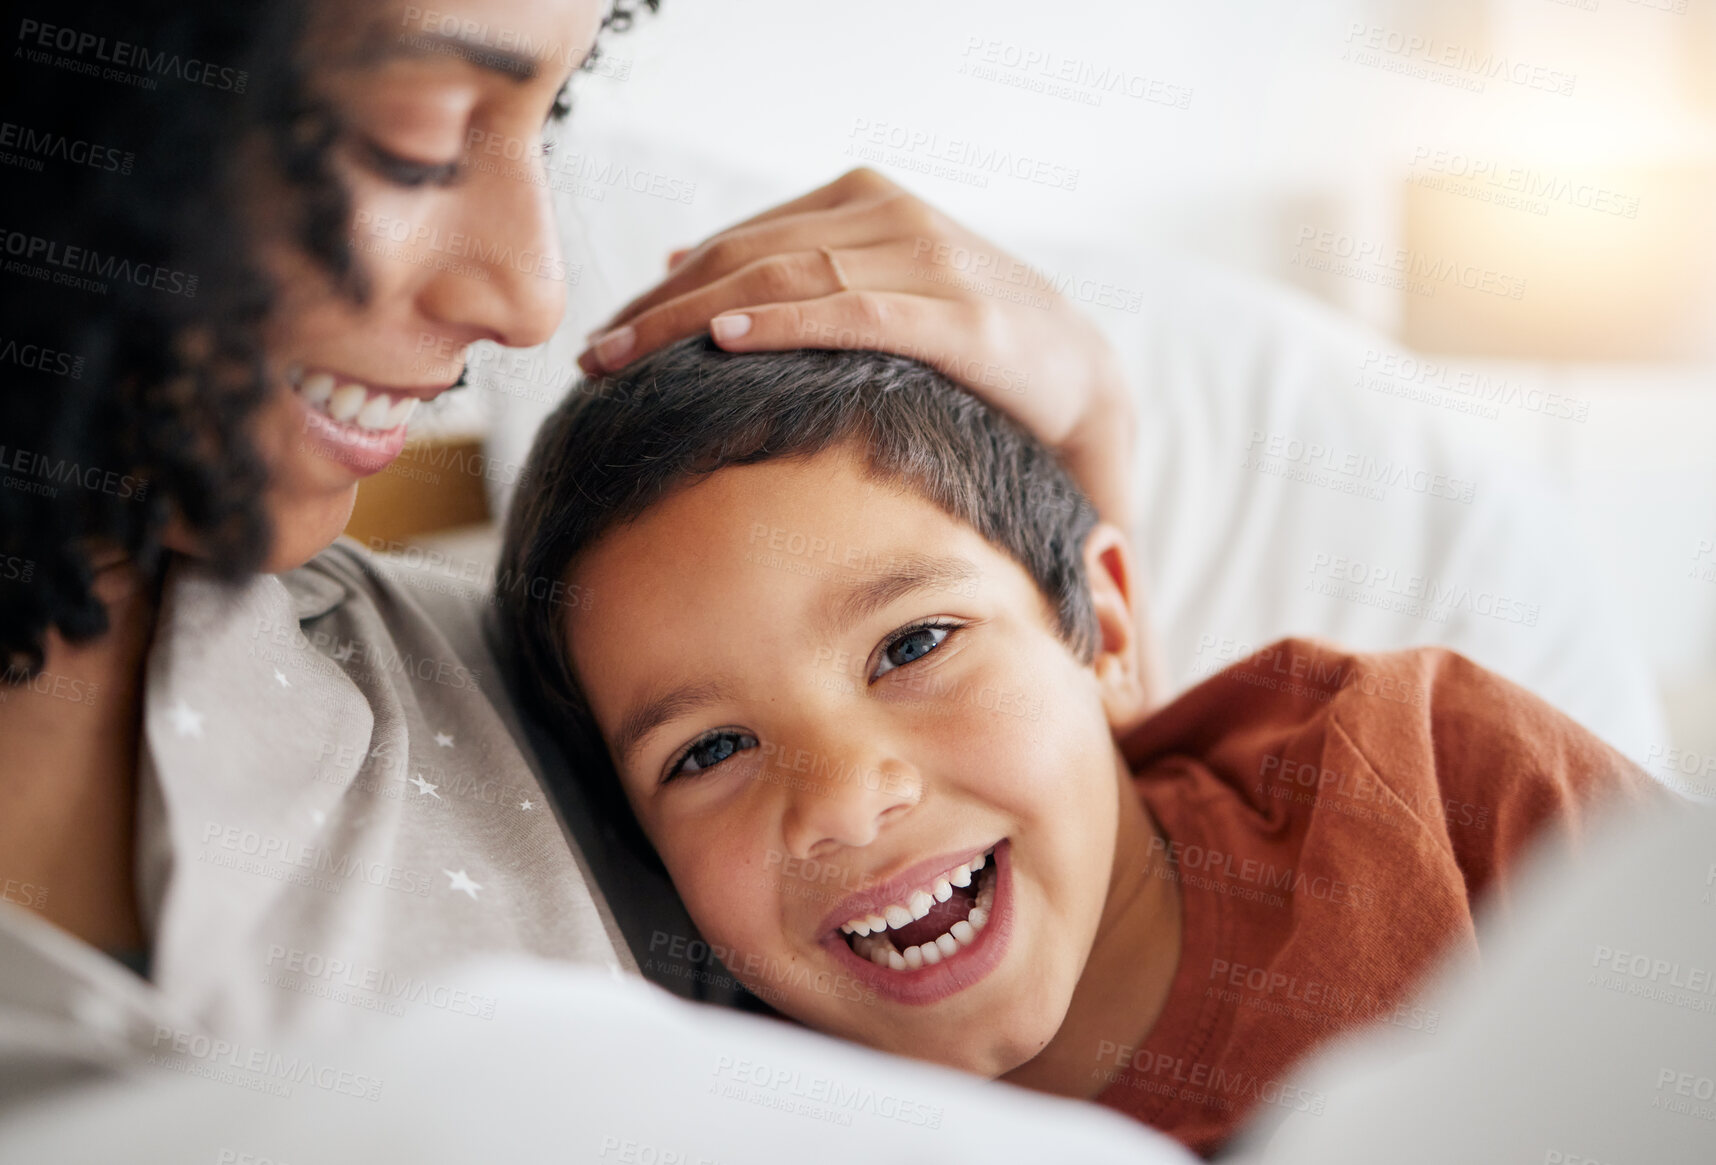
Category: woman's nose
[506,278]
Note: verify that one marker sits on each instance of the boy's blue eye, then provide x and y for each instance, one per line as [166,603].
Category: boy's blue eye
[911,645]
[908,646]
[710,751]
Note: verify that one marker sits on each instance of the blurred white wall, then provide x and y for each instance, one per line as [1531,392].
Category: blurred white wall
[1262,134]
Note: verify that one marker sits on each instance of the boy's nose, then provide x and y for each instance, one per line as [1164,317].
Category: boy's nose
[847,802]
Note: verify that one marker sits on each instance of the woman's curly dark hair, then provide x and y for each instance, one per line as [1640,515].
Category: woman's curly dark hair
[131,349]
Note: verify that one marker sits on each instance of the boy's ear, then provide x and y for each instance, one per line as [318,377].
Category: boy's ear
[1126,662]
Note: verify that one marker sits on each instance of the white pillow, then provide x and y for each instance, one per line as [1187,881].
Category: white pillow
[1297,475]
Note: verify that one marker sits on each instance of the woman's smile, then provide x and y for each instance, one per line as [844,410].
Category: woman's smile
[361,426]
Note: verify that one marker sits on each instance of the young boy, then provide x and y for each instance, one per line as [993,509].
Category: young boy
[861,662]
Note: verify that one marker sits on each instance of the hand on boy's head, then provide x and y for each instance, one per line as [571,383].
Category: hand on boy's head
[813,684]
[862,263]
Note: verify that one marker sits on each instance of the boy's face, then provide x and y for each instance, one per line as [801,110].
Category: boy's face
[815,741]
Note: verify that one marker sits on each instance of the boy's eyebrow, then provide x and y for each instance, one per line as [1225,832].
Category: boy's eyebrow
[659,709]
[905,574]
[844,607]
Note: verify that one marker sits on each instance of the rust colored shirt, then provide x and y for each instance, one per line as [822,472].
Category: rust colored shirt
[1332,821]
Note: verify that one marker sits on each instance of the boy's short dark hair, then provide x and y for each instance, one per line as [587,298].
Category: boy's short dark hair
[620,444]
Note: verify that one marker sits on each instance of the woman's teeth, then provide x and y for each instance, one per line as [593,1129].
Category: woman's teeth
[876,944]
[354,404]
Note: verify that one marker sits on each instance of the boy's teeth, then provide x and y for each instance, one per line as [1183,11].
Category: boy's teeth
[870,935]
[895,914]
[347,402]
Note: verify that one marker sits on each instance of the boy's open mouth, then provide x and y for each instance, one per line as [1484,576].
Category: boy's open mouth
[933,922]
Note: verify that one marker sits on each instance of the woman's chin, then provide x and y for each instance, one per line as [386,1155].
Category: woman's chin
[304,527]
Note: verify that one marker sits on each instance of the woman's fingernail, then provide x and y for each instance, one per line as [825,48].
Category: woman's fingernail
[725,328]
[613,348]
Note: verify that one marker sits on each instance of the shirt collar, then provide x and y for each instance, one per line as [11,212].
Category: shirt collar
[313,592]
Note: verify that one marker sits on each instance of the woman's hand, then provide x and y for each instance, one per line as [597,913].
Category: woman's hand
[860,263]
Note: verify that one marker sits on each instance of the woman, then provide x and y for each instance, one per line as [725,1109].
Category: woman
[237,758]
